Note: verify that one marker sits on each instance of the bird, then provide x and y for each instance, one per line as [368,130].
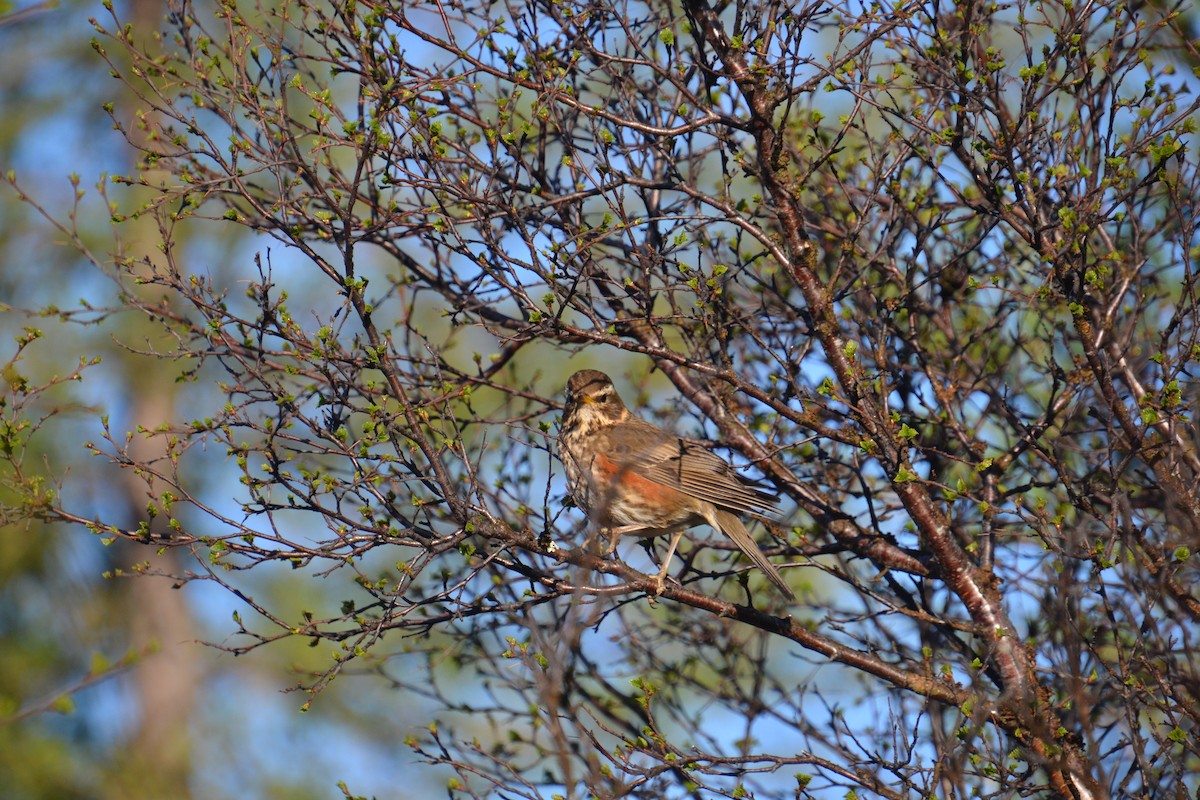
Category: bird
[632,477]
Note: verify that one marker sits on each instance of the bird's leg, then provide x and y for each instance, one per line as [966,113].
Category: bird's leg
[616,533]
[613,536]
[666,564]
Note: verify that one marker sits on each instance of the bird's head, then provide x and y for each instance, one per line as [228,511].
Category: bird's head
[592,396]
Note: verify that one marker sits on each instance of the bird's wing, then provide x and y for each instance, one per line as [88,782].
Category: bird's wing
[669,460]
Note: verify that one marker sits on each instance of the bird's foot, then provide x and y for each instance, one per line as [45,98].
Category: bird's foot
[613,536]
[661,580]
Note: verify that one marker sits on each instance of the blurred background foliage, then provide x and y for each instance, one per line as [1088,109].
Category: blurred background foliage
[107,688]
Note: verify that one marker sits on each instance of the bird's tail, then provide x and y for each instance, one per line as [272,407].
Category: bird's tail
[736,531]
